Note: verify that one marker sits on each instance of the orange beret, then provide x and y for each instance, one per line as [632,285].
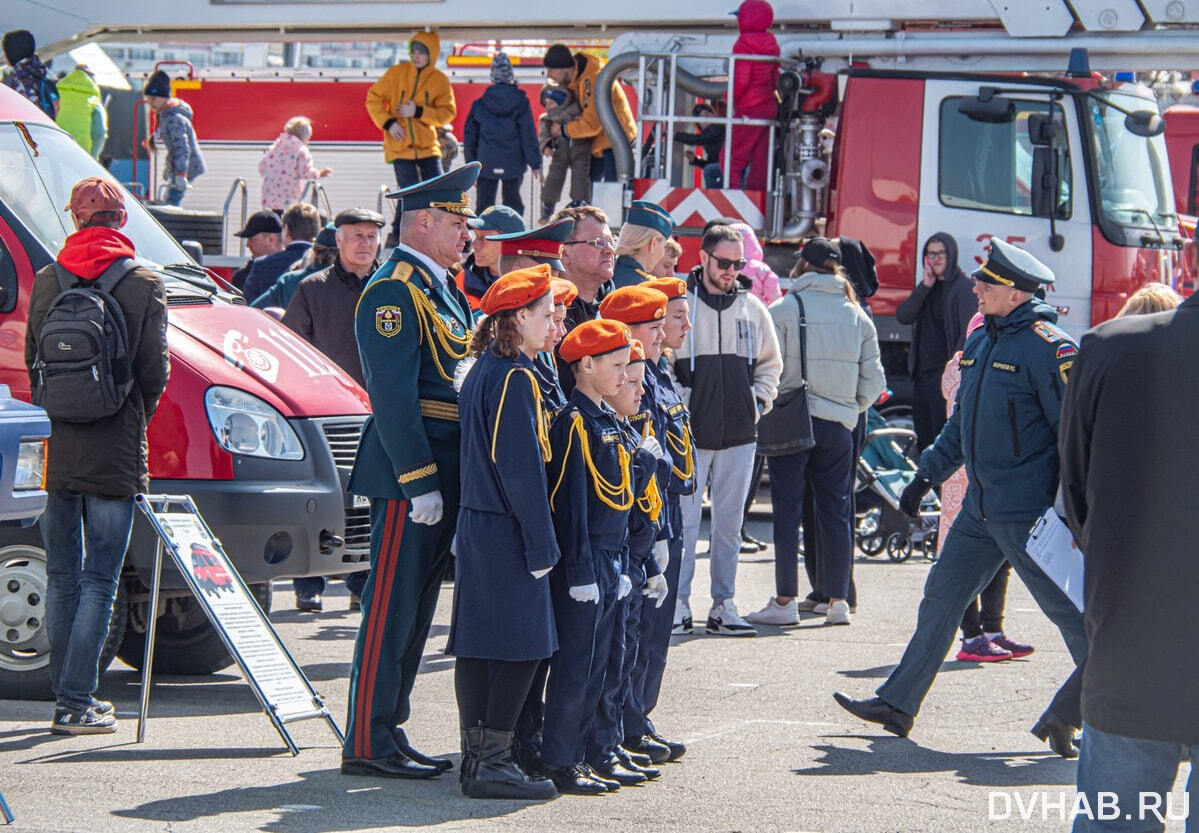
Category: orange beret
[516,289]
[565,292]
[670,287]
[636,351]
[634,305]
[594,338]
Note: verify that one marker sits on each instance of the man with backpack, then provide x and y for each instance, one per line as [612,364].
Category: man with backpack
[96,349]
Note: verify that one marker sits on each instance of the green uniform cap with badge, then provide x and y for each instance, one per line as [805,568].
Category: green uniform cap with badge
[1009,265]
[542,245]
[449,192]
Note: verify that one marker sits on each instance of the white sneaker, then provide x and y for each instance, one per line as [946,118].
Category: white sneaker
[822,607]
[838,613]
[682,620]
[723,620]
[775,614]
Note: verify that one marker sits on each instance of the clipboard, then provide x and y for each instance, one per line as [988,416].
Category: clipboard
[1052,547]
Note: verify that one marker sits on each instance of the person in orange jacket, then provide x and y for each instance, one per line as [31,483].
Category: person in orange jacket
[409,103]
[578,72]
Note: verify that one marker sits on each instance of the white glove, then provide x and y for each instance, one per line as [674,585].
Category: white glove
[623,587]
[652,445]
[541,573]
[179,182]
[662,554]
[585,593]
[426,509]
[656,589]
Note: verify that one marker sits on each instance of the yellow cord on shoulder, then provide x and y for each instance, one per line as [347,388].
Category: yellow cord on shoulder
[608,493]
[543,439]
[650,501]
[682,448]
[431,326]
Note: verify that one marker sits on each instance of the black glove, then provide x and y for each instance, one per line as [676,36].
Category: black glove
[913,494]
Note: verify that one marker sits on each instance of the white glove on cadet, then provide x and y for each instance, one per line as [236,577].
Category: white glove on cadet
[655,589]
[426,509]
[624,587]
[652,445]
[662,554]
[541,573]
[585,593]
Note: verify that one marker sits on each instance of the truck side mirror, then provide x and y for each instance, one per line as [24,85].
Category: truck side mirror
[1043,131]
[1046,183]
[1144,123]
[988,106]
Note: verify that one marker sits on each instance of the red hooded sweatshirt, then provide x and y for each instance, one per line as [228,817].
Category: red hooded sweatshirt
[754,82]
[88,252]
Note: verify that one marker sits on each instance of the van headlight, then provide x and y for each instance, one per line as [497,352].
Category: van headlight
[31,466]
[244,424]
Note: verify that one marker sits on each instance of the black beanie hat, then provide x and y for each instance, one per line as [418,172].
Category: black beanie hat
[558,57]
[18,45]
[159,85]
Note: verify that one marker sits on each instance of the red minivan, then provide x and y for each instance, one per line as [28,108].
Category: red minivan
[256,425]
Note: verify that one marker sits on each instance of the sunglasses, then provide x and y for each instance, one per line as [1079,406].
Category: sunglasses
[723,263]
[597,242]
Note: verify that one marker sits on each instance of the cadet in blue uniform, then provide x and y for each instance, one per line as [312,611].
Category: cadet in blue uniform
[671,424]
[503,620]
[521,249]
[642,243]
[591,493]
[413,326]
[1004,429]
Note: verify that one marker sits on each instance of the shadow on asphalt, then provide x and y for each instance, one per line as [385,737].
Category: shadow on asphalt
[881,671]
[132,752]
[904,756]
[325,800]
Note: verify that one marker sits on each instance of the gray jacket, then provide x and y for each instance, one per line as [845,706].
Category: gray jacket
[845,374]
[176,133]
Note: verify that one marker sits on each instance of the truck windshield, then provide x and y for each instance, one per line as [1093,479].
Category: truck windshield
[1134,175]
[36,187]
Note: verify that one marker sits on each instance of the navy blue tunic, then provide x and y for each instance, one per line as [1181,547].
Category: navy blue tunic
[500,610]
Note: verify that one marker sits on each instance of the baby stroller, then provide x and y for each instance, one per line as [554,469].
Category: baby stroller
[884,470]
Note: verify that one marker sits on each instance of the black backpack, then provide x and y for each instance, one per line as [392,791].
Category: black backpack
[81,368]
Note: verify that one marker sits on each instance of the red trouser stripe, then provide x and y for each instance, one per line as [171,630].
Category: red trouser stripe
[385,567]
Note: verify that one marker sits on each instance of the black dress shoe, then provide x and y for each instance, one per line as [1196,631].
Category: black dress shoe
[657,753]
[638,758]
[310,604]
[609,784]
[613,770]
[648,771]
[758,546]
[877,710]
[677,748]
[1059,733]
[393,766]
[573,780]
[441,764]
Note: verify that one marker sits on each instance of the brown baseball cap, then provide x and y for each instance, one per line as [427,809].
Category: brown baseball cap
[95,194]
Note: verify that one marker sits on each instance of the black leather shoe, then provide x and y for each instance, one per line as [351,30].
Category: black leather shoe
[677,748]
[1059,733]
[657,753]
[609,784]
[648,771]
[613,770]
[393,766]
[877,710]
[441,764]
[637,757]
[573,780]
[310,604]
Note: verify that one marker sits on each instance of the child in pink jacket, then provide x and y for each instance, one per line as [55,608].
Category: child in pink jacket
[287,165]
[765,281]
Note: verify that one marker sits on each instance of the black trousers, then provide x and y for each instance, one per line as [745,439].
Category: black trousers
[811,560]
[485,189]
[491,692]
[988,619]
[928,409]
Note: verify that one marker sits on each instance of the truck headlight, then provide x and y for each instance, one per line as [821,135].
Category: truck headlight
[244,424]
[31,466]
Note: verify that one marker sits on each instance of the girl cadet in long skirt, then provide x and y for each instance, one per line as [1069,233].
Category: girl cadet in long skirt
[591,493]
[503,620]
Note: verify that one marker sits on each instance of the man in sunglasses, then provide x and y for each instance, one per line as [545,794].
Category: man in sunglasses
[728,370]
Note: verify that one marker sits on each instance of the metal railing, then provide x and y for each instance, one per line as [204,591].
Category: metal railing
[319,199]
[239,184]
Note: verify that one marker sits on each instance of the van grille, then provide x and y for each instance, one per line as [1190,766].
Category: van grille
[343,436]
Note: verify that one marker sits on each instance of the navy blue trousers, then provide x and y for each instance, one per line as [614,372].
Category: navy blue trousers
[606,729]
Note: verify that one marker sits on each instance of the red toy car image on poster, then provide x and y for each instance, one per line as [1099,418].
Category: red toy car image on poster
[209,572]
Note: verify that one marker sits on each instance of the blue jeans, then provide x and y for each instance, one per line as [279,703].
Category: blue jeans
[81,586]
[1135,775]
[175,196]
[973,551]
[603,167]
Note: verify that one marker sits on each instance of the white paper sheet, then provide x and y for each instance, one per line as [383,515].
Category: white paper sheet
[1052,546]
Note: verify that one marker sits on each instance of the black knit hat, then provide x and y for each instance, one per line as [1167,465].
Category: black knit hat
[18,45]
[159,85]
[558,57]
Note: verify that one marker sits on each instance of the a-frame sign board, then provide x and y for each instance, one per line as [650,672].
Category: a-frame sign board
[277,681]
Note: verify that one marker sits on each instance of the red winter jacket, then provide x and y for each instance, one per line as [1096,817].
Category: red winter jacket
[754,82]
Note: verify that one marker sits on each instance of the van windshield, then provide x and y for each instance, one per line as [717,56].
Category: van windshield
[1134,175]
[36,187]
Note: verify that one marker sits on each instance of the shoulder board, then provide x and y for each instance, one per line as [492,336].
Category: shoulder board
[401,272]
[1050,332]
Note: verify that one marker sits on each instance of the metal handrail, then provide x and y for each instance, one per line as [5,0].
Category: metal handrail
[319,195]
[382,195]
[238,183]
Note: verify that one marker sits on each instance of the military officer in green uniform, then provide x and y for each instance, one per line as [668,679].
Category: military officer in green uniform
[413,326]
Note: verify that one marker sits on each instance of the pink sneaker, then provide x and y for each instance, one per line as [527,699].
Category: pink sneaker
[981,649]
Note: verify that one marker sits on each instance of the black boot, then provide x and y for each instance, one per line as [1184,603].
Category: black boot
[1059,733]
[497,775]
[472,741]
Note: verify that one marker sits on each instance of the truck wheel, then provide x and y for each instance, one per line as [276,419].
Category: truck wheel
[24,642]
[185,642]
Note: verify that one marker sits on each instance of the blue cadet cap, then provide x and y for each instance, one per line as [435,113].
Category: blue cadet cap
[543,244]
[651,215]
[447,191]
[499,218]
[1009,265]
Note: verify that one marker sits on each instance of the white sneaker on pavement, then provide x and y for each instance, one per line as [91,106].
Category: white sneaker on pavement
[775,614]
[838,613]
[723,620]
[682,620]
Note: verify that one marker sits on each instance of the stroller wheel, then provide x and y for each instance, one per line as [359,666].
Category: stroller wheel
[928,547]
[899,547]
[872,544]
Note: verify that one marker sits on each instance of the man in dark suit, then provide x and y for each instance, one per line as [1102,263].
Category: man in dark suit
[413,327]
[1129,470]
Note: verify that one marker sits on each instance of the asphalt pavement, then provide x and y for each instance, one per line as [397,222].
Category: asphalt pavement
[768,749]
